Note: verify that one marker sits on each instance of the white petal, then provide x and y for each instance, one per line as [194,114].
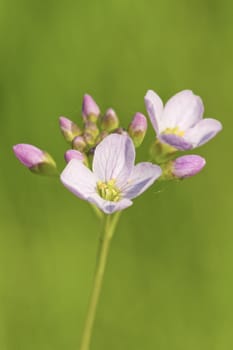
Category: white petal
[114,158]
[143,176]
[79,179]
[183,110]
[154,106]
[203,131]
[107,206]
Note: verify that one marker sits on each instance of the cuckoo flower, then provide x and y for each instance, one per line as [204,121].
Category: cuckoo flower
[179,123]
[115,180]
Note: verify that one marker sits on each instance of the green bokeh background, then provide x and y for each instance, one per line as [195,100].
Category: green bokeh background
[169,280]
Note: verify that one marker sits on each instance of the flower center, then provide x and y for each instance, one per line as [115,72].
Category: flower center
[175,131]
[108,190]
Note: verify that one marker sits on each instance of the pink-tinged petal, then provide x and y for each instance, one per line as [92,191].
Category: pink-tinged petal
[176,141]
[142,177]
[29,155]
[154,106]
[187,166]
[107,206]
[183,110]
[203,131]
[79,179]
[73,154]
[114,158]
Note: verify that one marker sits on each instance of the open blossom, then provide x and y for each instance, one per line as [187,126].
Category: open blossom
[115,180]
[180,122]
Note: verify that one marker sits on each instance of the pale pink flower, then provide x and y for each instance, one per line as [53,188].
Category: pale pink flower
[114,180]
[180,122]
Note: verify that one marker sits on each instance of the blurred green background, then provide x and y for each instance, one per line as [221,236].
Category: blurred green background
[169,280]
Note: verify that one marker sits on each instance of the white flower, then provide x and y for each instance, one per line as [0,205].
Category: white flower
[115,180]
[179,123]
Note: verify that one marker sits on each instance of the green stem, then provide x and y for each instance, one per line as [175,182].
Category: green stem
[110,222]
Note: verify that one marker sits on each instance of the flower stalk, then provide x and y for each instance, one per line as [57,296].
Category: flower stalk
[109,226]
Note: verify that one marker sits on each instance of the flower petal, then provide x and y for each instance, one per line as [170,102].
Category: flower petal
[154,106]
[114,158]
[201,133]
[79,179]
[143,175]
[107,206]
[183,110]
[176,141]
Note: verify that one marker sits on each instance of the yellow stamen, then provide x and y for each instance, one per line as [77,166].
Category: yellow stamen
[108,190]
[175,131]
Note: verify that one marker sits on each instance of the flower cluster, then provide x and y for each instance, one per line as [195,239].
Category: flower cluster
[100,162]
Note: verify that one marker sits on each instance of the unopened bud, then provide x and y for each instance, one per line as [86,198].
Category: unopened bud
[137,129]
[90,110]
[36,160]
[187,166]
[69,129]
[182,167]
[110,120]
[79,143]
[73,154]
[91,131]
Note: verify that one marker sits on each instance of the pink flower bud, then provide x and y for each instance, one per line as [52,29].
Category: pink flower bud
[187,166]
[79,143]
[110,120]
[28,155]
[73,154]
[90,109]
[69,129]
[35,159]
[137,129]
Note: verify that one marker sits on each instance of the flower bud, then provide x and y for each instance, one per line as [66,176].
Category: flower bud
[137,129]
[36,160]
[187,166]
[91,131]
[110,120]
[90,109]
[69,129]
[182,167]
[73,154]
[79,143]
